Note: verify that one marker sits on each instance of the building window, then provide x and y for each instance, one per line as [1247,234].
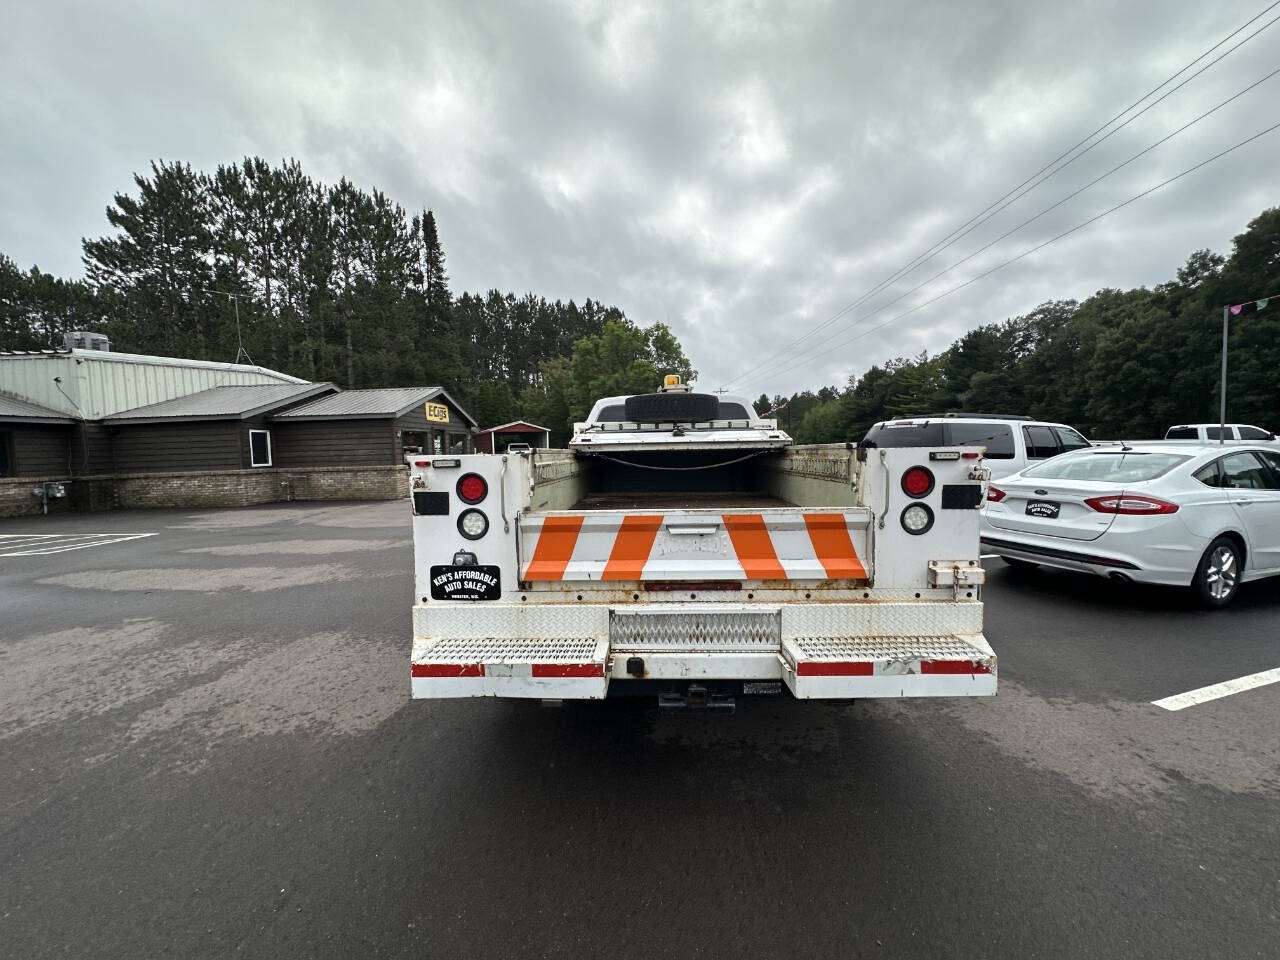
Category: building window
[6,456]
[413,441]
[260,448]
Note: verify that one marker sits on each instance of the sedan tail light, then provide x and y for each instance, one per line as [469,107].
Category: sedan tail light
[994,493]
[1131,504]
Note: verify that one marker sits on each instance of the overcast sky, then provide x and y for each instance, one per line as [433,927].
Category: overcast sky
[739,170]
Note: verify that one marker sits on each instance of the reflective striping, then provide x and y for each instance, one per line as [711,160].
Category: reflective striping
[835,668]
[448,670]
[752,544]
[631,548]
[567,670]
[829,533]
[791,541]
[555,546]
[952,666]
[614,546]
[867,668]
[949,658]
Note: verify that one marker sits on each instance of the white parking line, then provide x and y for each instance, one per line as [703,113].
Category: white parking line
[9,540]
[1214,691]
[19,545]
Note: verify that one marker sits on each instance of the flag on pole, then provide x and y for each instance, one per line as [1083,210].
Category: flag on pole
[1252,306]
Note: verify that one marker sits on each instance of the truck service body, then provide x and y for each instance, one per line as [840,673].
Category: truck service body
[683,547]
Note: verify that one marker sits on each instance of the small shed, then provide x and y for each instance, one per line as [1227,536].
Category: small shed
[496,438]
[222,428]
[34,440]
[371,427]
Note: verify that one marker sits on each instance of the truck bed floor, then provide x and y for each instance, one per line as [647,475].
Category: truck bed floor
[646,500]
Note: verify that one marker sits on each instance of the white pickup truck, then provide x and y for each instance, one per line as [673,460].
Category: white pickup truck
[684,548]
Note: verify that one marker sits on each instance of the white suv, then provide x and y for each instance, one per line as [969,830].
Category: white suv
[1012,442]
[1213,431]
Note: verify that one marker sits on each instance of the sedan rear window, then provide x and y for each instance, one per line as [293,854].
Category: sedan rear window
[1117,467]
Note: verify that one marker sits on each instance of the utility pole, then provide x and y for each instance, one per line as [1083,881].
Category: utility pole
[1222,388]
[1227,312]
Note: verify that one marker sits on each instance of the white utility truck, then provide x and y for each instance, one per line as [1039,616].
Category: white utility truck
[684,548]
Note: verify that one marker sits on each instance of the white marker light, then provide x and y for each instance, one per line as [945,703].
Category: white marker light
[917,518]
[473,524]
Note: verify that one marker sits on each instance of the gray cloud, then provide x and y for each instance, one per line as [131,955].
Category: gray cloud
[741,170]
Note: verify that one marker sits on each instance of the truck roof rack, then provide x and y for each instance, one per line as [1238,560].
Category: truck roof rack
[973,416]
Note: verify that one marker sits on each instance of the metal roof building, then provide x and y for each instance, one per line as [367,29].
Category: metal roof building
[222,403]
[93,384]
[31,437]
[380,403]
[222,428]
[132,430]
[374,426]
[16,410]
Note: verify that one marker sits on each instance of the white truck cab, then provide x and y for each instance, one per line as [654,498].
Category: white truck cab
[1214,431]
[683,547]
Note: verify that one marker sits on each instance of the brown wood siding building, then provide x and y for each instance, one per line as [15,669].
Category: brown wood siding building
[310,443]
[91,452]
[214,429]
[34,449]
[33,438]
[372,427]
[451,437]
[176,447]
[300,425]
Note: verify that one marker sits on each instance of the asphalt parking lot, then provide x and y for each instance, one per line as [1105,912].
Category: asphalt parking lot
[209,750]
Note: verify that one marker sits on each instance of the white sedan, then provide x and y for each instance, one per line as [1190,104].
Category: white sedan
[1204,515]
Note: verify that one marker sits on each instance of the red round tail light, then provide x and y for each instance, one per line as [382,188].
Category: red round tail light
[472,488]
[917,482]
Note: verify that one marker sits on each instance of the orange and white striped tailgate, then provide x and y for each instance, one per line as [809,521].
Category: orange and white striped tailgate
[696,545]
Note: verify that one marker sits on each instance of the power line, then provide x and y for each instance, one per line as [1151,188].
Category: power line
[982,216]
[1040,246]
[979,218]
[809,352]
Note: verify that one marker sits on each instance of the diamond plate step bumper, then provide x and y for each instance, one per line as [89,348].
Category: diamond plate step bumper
[846,667]
[568,668]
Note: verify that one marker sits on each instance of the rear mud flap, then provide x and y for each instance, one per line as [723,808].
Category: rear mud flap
[851,667]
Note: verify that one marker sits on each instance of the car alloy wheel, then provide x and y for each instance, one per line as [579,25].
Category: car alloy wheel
[1222,573]
[1217,579]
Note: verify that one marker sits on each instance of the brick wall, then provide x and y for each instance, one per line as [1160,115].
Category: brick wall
[17,500]
[213,488]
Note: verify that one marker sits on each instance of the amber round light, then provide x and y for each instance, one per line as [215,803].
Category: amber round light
[472,488]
